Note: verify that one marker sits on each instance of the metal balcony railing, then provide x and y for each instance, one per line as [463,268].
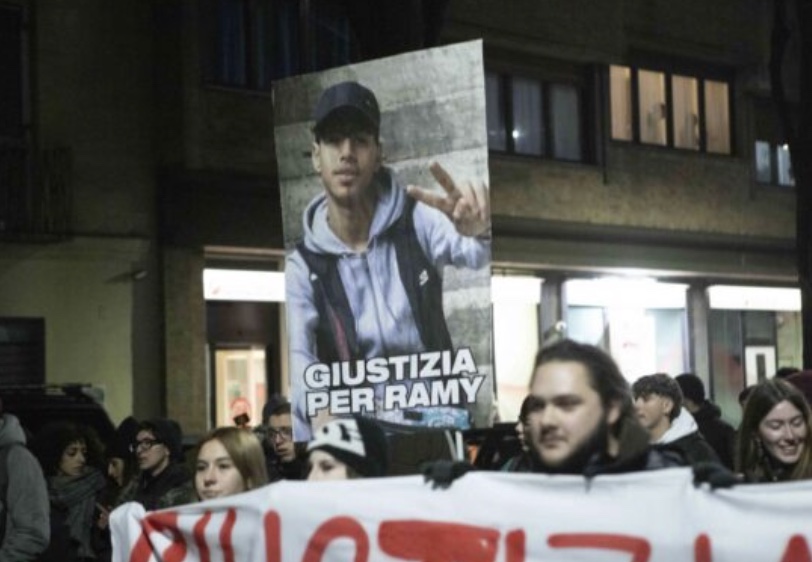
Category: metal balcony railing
[36,199]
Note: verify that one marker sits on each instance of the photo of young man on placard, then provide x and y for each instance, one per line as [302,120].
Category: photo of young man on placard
[379,251]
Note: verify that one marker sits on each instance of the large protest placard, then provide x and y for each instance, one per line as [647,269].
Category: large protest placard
[482,517]
[383,170]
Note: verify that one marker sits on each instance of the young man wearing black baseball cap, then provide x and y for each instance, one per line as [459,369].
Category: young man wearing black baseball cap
[366,281]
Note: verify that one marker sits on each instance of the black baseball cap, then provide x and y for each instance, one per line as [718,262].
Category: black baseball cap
[347,96]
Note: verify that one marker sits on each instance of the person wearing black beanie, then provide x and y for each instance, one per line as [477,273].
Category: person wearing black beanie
[121,467]
[717,432]
[164,481]
[348,448]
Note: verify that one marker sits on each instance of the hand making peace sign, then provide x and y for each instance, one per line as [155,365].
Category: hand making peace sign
[466,204]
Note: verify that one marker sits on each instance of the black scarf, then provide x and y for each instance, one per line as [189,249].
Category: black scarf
[76,495]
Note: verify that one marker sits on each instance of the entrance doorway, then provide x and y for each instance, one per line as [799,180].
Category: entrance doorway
[244,359]
[240,386]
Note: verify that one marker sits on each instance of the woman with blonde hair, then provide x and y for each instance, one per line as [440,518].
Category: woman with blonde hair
[774,441]
[230,460]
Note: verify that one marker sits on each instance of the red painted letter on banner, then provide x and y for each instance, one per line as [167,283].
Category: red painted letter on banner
[429,541]
[639,548]
[336,528]
[157,523]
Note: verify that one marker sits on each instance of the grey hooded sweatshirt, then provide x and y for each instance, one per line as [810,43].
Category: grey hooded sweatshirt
[25,502]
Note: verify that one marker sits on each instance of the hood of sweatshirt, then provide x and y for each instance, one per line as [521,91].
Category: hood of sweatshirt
[681,426]
[11,431]
[389,206]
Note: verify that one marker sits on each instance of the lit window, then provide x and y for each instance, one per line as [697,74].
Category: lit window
[785,175]
[669,112]
[772,163]
[685,112]
[771,157]
[621,84]
[652,107]
[717,116]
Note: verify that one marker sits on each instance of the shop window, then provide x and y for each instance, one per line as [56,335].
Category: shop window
[516,310]
[534,117]
[243,314]
[588,324]
[726,336]
[752,331]
[759,328]
[642,323]
[672,109]
[240,387]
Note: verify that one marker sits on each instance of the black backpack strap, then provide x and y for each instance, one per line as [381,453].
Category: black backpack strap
[423,284]
[336,339]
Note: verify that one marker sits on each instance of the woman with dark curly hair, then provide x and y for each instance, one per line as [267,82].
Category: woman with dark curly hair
[774,442]
[71,457]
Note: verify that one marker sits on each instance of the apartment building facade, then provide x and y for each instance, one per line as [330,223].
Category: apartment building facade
[637,174]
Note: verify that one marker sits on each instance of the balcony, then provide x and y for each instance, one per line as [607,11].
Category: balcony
[36,197]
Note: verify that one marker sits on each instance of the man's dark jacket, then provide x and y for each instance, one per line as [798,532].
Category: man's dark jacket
[693,448]
[719,434]
[634,454]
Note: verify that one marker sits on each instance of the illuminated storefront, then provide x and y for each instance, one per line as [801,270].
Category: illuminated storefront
[647,325]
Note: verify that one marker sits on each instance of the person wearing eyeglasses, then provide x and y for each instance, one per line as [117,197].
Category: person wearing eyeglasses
[288,462]
[164,480]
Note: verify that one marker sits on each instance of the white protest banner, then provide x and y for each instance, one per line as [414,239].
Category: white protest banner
[482,517]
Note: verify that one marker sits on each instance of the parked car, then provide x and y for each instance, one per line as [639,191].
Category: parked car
[38,405]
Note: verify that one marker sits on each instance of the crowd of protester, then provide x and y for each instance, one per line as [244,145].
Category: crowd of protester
[580,416]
